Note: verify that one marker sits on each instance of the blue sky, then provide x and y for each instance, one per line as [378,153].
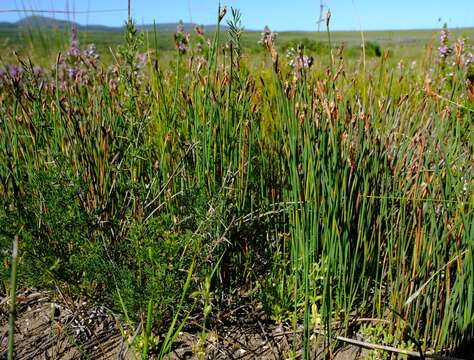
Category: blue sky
[278,14]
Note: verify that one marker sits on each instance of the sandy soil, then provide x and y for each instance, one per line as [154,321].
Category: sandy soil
[47,329]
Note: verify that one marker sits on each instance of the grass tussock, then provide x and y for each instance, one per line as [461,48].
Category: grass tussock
[328,189]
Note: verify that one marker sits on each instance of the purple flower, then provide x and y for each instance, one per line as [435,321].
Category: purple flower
[469,58]
[267,38]
[181,38]
[40,74]
[74,37]
[182,48]
[72,72]
[142,60]
[74,50]
[444,51]
[444,36]
[299,61]
[14,71]
[90,53]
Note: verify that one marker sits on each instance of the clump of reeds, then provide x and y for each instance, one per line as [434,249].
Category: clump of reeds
[353,192]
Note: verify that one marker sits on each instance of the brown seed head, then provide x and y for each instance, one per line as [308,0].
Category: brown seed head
[328,18]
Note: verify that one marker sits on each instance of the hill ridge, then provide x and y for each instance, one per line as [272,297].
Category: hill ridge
[35,21]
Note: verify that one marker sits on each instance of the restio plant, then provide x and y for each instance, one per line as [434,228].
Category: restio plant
[329,189]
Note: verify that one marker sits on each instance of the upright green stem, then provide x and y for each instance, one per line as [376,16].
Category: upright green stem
[11,320]
[176,83]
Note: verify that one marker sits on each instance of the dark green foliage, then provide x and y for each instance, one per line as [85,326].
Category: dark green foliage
[52,227]
[373,49]
[318,48]
[150,264]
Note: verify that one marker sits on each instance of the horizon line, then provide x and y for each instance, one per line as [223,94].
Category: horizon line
[192,23]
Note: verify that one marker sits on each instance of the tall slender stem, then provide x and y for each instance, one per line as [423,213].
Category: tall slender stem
[11,320]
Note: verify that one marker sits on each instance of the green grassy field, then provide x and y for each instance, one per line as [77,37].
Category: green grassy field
[408,45]
[335,193]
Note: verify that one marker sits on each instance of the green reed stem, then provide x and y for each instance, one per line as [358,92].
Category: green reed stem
[12,315]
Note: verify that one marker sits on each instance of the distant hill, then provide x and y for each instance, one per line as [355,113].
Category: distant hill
[7,25]
[35,22]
